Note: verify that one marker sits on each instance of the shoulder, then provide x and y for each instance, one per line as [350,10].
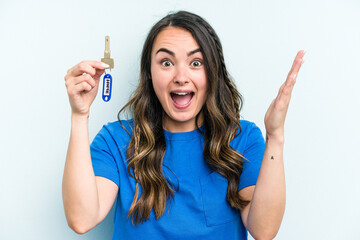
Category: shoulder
[116,131]
[119,127]
[248,127]
[247,134]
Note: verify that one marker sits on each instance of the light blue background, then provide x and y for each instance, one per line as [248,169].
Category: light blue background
[40,40]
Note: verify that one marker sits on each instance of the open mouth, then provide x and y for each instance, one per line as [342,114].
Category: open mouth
[182,100]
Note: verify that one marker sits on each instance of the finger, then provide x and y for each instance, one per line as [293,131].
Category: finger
[98,73]
[284,96]
[298,61]
[76,80]
[78,88]
[300,54]
[280,90]
[83,86]
[88,67]
[291,78]
[285,92]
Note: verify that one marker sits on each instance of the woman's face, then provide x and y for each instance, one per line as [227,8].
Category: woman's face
[179,78]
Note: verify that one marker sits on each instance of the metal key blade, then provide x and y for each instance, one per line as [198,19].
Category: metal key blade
[107,59]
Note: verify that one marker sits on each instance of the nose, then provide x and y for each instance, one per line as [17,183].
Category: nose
[181,75]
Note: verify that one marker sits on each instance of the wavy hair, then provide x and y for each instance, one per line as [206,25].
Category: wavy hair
[221,113]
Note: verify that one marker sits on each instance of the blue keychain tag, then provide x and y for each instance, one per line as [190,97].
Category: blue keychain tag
[107,84]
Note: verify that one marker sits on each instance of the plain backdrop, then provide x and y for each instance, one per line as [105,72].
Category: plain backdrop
[40,40]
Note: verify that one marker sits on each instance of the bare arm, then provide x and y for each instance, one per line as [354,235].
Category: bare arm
[263,216]
[80,195]
[87,199]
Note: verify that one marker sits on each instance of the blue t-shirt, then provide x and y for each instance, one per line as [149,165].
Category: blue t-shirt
[199,209]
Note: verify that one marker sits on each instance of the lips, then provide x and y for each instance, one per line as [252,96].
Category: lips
[181,99]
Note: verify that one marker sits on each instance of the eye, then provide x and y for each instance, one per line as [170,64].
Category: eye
[196,63]
[166,63]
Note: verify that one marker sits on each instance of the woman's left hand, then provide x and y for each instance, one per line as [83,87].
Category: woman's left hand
[275,115]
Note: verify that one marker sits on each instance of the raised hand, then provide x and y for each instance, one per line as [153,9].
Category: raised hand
[82,82]
[275,115]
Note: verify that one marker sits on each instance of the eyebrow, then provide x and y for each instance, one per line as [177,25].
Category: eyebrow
[173,54]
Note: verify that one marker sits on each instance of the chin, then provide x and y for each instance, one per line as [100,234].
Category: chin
[182,118]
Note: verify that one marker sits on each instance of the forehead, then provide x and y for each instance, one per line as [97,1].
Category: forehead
[175,37]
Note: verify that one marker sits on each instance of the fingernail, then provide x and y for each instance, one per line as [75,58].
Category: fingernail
[105,65]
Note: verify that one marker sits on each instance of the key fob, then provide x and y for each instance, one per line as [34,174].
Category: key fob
[107,85]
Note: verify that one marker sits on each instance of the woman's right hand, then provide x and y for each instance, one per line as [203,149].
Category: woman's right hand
[82,82]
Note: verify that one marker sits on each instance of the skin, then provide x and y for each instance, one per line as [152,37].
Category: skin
[263,215]
[88,199]
[177,65]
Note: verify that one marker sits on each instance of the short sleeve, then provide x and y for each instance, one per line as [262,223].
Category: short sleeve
[103,160]
[253,153]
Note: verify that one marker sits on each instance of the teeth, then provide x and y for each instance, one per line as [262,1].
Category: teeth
[181,94]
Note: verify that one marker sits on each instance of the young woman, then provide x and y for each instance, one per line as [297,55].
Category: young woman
[185,166]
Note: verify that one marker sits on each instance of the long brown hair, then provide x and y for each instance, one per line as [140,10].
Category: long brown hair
[221,119]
